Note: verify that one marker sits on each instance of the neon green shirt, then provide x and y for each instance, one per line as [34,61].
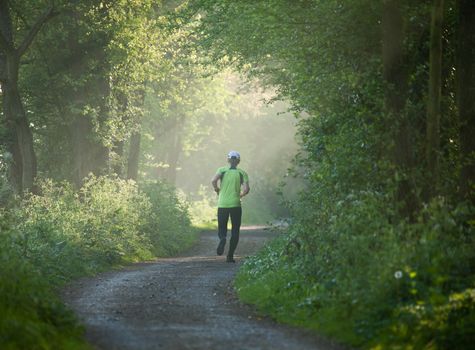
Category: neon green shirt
[230,187]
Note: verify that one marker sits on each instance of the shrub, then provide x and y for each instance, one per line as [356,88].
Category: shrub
[31,315]
[369,281]
[168,224]
[61,234]
[69,233]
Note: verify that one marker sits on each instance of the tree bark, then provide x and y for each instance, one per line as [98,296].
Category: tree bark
[434,97]
[395,76]
[134,153]
[465,70]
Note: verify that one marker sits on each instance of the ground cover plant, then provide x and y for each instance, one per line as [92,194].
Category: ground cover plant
[372,289]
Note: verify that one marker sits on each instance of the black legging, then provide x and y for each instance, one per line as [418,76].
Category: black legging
[223,217]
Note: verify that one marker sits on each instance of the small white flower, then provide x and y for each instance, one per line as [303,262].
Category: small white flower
[398,274]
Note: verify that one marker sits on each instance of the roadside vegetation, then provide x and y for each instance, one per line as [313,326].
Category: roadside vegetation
[61,234]
[380,252]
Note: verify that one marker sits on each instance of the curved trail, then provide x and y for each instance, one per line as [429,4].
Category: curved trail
[181,303]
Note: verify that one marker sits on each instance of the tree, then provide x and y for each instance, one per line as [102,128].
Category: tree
[465,68]
[94,62]
[434,97]
[134,156]
[395,75]
[24,167]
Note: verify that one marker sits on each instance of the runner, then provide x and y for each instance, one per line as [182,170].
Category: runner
[233,185]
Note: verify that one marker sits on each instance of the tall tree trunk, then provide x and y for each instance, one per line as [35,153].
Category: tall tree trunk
[117,162]
[23,169]
[134,153]
[135,138]
[173,156]
[395,76]
[89,155]
[465,68]
[433,105]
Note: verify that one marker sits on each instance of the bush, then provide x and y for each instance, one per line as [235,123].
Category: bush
[369,281]
[61,234]
[31,315]
[168,224]
[69,233]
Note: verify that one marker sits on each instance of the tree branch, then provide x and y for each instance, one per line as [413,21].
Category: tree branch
[48,14]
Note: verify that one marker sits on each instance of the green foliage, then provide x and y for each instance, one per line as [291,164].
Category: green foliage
[352,264]
[72,233]
[203,208]
[63,234]
[6,189]
[32,316]
[168,223]
[370,283]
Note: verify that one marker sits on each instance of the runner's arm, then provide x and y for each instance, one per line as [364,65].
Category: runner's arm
[245,189]
[214,182]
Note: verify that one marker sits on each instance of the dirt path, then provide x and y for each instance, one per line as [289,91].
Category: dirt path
[180,303]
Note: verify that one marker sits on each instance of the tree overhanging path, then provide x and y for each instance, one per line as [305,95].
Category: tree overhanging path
[185,302]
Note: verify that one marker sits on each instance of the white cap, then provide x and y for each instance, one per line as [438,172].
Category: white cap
[234,154]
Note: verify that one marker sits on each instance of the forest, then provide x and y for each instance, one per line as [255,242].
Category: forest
[355,120]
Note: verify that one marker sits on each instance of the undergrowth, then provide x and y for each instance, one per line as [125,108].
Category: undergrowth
[370,282]
[49,239]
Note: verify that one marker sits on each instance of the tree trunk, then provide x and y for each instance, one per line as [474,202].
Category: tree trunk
[89,155]
[134,153]
[117,162]
[395,76]
[465,68]
[23,169]
[433,105]
[173,156]
[135,138]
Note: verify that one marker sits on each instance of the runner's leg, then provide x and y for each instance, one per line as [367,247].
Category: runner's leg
[236,215]
[223,217]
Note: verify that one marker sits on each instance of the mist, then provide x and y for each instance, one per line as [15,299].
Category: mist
[227,113]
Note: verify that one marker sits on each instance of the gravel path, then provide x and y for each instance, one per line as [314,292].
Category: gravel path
[181,303]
